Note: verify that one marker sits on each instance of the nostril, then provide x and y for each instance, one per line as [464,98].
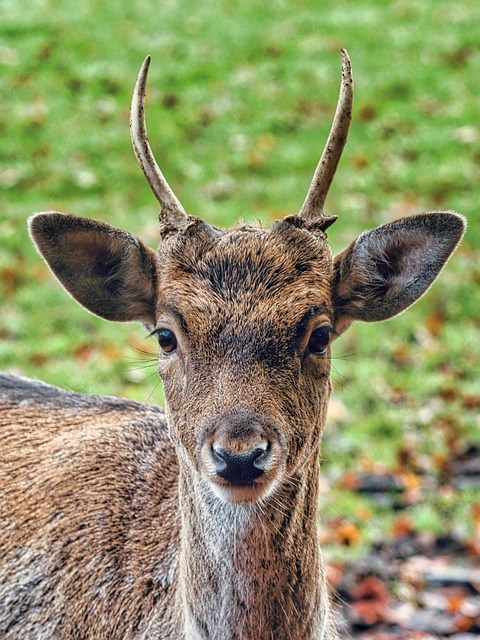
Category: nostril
[254,456]
[219,454]
[219,457]
[262,456]
[241,468]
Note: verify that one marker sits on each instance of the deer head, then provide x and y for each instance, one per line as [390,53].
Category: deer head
[245,317]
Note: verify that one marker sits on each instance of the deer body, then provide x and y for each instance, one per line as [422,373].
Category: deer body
[120,522]
[91,519]
[119,532]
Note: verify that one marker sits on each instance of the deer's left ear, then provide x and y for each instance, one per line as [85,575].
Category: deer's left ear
[386,270]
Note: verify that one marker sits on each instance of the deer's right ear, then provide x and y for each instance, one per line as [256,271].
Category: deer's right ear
[107,270]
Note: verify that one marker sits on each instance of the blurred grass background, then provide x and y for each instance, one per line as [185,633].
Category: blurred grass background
[240,101]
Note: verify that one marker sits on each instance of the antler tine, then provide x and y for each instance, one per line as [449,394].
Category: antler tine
[172,211]
[312,208]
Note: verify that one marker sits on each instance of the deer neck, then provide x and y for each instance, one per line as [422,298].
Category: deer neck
[253,571]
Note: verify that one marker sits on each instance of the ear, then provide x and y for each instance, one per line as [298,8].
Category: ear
[386,270]
[107,270]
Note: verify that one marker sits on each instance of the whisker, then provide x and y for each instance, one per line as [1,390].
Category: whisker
[154,388]
[146,352]
[343,355]
[340,379]
[140,366]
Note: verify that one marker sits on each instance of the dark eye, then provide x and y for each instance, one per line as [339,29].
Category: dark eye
[319,341]
[166,340]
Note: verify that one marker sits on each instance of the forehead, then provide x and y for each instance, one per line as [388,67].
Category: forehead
[284,271]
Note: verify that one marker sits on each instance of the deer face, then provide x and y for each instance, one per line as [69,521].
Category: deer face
[244,317]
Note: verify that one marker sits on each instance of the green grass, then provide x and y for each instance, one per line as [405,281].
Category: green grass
[240,100]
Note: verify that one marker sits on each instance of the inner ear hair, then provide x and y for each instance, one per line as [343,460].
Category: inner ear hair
[385,270]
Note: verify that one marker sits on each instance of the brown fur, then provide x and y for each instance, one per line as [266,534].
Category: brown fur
[90,522]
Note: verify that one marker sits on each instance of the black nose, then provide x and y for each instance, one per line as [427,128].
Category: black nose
[241,468]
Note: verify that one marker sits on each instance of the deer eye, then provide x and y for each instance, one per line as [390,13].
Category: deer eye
[166,340]
[319,341]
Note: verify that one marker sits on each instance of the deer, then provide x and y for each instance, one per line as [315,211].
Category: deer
[199,521]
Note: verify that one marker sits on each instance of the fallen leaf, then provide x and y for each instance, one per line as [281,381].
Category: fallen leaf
[402,527]
[371,588]
[373,611]
[434,323]
[371,602]
[348,535]
[471,402]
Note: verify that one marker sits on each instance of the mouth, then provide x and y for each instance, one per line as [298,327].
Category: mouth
[244,492]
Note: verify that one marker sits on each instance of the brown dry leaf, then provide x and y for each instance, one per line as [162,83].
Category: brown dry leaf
[464,623]
[453,429]
[411,481]
[373,611]
[359,161]
[347,534]
[371,602]
[11,279]
[434,323]
[401,354]
[449,394]
[442,462]
[366,112]
[371,588]
[475,511]
[454,603]
[265,142]
[83,352]
[38,359]
[407,455]
[471,402]
[473,543]
[349,481]
[402,527]
[367,465]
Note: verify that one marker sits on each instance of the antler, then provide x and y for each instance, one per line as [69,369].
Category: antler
[172,213]
[312,208]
